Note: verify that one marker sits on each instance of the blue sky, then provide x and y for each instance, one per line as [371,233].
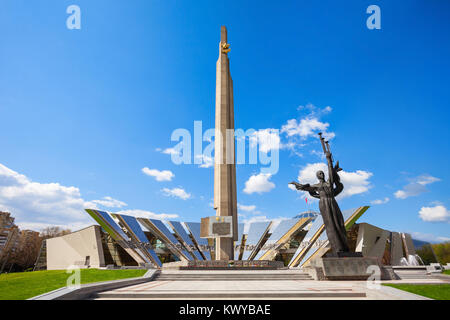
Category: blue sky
[84,111]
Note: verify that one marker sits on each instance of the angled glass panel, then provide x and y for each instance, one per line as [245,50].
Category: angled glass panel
[117,229]
[240,232]
[283,227]
[133,227]
[321,242]
[313,233]
[350,216]
[179,230]
[238,243]
[194,229]
[110,226]
[163,229]
[256,231]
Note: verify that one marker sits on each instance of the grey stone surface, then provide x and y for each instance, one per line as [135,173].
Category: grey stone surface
[273,285]
[345,268]
[371,240]
[396,248]
[408,244]
[434,268]
[225,201]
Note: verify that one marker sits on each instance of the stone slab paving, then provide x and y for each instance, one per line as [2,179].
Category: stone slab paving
[288,289]
[273,289]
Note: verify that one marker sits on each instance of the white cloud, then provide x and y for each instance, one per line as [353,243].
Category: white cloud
[207,161]
[164,175]
[246,208]
[354,182]
[259,184]
[380,201]
[177,193]
[109,202]
[426,179]
[320,154]
[428,237]
[415,187]
[38,205]
[170,151]
[34,203]
[268,139]
[297,131]
[435,214]
[315,111]
[307,127]
[148,214]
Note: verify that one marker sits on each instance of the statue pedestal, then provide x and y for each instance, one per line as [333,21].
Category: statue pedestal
[344,268]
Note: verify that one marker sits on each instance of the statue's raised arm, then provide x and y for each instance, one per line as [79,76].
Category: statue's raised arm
[331,173]
[312,190]
[337,180]
[327,152]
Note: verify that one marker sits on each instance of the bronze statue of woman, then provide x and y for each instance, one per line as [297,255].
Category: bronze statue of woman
[332,217]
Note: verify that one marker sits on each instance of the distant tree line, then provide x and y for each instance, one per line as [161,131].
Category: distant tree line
[442,251]
[52,232]
[23,254]
[432,253]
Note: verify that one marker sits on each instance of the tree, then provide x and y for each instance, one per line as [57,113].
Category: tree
[27,249]
[442,251]
[53,232]
[425,252]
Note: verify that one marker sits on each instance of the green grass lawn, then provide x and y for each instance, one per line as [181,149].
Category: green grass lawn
[446,272]
[433,291]
[24,285]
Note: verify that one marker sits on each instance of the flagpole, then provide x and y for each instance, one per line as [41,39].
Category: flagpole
[308,209]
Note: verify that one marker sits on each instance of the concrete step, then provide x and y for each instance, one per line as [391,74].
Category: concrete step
[227,295]
[230,277]
[200,289]
[412,274]
[226,279]
[236,276]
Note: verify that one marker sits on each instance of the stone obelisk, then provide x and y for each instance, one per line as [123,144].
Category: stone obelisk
[225,202]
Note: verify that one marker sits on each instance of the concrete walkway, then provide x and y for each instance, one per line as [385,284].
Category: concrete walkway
[273,285]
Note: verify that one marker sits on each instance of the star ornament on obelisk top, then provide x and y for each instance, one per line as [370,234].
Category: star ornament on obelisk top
[225,202]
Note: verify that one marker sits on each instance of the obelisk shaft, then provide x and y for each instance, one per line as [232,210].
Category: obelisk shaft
[225,201]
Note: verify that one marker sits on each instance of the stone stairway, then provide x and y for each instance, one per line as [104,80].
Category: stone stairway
[229,285]
[411,272]
[232,276]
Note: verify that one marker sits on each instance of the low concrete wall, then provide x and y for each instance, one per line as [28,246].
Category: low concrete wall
[74,248]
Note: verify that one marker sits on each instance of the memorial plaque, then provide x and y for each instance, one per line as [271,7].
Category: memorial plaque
[216,227]
[221,228]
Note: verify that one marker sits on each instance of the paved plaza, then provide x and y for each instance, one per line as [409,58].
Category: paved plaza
[273,285]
